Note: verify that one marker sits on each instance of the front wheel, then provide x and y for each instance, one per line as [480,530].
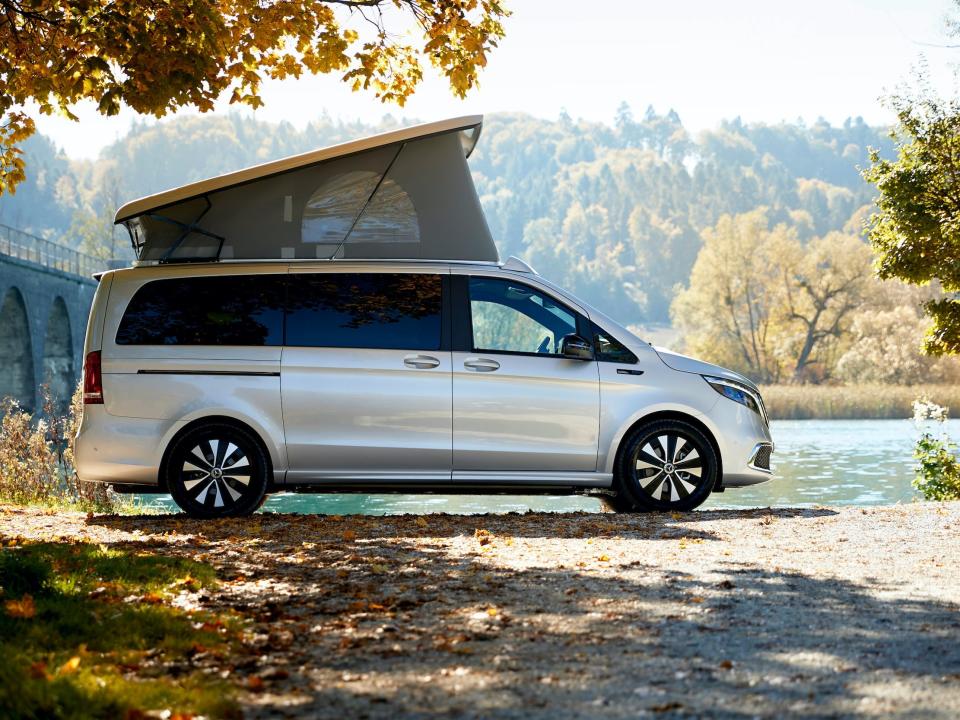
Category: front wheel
[217,470]
[665,465]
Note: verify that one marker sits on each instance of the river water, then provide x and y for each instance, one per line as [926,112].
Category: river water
[817,462]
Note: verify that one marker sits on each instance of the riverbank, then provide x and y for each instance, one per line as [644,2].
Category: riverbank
[853,402]
[816,611]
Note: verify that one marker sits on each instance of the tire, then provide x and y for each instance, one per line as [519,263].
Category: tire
[217,470]
[657,469]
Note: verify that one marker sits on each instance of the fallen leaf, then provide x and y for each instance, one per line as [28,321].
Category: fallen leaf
[189,582]
[22,608]
[726,664]
[421,521]
[254,684]
[38,671]
[349,535]
[70,666]
[484,537]
[604,558]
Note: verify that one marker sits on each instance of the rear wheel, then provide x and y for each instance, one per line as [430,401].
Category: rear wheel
[217,470]
[664,465]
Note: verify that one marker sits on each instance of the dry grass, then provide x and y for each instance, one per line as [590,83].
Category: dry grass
[36,458]
[836,402]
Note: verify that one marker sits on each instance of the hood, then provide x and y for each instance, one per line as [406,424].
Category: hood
[684,363]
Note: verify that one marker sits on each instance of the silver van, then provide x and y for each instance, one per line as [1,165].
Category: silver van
[223,377]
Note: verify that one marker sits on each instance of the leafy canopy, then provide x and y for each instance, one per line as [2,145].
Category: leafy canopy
[765,303]
[916,229]
[156,57]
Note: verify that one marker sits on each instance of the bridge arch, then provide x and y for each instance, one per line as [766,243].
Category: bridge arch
[58,363]
[16,351]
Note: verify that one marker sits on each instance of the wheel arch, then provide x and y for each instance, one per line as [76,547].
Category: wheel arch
[219,420]
[682,417]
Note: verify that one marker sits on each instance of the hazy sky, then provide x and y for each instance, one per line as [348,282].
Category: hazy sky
[761,60]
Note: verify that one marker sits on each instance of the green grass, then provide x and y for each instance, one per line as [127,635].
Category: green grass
[119,504]
[825,402]
[98,638]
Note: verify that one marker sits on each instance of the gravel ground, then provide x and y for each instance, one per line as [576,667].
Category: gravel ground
[817,612]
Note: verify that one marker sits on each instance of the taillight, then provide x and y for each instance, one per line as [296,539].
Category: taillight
[92,379]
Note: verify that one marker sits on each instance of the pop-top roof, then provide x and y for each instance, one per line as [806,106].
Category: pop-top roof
[405,194]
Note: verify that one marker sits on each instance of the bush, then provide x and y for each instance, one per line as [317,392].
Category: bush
[938,467]
[36,457]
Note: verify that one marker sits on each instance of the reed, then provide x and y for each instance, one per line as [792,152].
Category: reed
[847,402]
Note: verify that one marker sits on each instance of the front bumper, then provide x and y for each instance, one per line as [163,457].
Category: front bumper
[745,443]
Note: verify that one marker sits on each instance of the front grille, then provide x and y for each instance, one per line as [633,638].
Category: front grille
[761,458]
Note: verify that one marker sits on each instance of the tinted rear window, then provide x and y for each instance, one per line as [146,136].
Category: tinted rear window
[217,310]
[377,310]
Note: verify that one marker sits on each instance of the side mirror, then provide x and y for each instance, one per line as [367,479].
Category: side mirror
[574,346]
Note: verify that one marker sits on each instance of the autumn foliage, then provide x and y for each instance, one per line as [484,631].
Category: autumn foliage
[158,57]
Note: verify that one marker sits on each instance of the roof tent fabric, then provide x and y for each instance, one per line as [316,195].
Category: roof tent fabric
[402,195]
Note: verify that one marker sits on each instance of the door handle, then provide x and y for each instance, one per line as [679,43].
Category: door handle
[481,364]
[423,362]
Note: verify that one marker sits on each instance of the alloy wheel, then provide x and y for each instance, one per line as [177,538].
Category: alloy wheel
[669,467]
[216,474]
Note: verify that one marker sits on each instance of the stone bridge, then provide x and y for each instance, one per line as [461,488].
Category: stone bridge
[45,295]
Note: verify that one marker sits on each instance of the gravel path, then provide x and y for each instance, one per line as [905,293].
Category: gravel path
[771,613]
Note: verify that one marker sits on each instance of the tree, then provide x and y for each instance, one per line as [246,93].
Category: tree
[580,255]
[762,302]
[728,312]
[916,228]
[823,283]
[93,230]
[885,340]
[158,57]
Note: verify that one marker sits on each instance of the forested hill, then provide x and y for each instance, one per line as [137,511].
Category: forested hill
[614,211]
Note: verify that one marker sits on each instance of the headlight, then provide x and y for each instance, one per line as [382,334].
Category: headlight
[738,392]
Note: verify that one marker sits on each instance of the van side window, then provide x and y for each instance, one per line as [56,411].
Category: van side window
[508,316]
[211,310]
[391,311]
[609,349]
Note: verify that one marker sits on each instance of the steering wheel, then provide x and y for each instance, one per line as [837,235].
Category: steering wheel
[545,345]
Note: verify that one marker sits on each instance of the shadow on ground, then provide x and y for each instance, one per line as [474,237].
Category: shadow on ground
[521,616]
